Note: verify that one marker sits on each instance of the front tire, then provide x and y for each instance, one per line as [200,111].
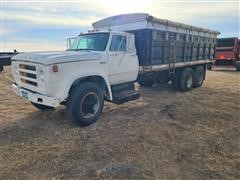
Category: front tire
[85,103]
[186,79]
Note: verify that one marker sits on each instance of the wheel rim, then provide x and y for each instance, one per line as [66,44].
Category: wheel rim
[89,105]
[189,81]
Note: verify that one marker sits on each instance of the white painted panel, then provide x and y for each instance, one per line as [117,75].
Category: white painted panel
[127,22]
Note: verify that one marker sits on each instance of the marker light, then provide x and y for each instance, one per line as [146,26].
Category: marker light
[55,68]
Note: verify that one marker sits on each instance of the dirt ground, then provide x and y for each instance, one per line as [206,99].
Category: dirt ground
[163,135]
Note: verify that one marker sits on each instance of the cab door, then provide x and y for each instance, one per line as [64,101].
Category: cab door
[122,59]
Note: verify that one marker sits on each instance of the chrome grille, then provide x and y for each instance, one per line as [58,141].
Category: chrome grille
[28,74]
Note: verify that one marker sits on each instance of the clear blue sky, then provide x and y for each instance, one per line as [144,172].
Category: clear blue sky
[45,25]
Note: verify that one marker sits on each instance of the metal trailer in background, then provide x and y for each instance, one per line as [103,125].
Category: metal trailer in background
[227,53]
[164,47]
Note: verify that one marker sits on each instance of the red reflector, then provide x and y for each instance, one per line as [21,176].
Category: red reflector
[221,57]
[55,68]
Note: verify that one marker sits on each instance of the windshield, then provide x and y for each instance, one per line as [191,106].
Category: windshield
[226,42]
[95,42]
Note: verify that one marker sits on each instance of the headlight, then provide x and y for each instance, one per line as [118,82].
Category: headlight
[55,68]
[15,69]
[41,75]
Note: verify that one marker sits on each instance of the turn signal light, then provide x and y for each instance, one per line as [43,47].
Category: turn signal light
[221,57]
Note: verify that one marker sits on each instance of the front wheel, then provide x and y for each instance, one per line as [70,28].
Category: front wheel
[85,103]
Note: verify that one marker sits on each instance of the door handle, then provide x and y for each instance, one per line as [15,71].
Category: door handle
[133,55]
[102,62]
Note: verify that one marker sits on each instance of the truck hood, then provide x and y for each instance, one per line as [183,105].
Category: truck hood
[57,57]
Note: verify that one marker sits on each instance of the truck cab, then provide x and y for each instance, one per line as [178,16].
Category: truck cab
[119,53]
[97,65]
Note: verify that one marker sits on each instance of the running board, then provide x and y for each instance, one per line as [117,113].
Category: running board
[125,96]
[124,92]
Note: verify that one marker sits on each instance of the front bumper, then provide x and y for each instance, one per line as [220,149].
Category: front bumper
[36,97]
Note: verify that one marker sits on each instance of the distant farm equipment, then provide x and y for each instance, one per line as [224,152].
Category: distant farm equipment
[227,53]
[5,58]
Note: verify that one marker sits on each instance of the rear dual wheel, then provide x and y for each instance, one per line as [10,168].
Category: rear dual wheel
[187,78]
[238,67]
[198,76]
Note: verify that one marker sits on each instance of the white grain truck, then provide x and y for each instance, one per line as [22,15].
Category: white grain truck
[105,63]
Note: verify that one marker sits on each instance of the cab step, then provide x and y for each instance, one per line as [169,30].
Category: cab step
[122,87]
[125,96]
[124,92]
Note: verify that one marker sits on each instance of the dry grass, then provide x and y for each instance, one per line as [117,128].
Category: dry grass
[164,135]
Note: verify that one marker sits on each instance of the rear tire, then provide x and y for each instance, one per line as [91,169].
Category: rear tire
[198,76]
[186,79]
[42,107]
[85,103]
[238,67]
[175,80]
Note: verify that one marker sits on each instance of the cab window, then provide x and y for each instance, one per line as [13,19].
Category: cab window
[118,43]
[131,47]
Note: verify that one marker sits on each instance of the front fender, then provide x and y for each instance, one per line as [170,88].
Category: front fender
[83,76]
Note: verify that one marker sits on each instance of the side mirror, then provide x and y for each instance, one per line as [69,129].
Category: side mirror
[70,41]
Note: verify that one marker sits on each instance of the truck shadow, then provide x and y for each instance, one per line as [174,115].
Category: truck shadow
[166,104]
[51,124]
[158,87]
[35,125]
